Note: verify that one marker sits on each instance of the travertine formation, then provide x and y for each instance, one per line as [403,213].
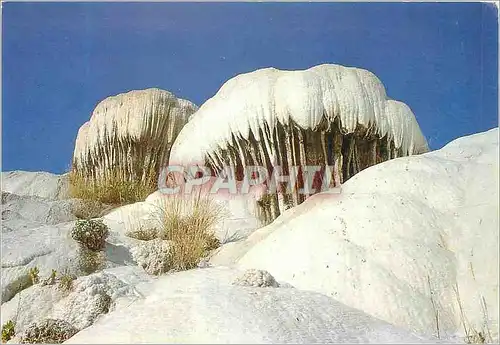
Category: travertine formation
[328,115]
[130,134]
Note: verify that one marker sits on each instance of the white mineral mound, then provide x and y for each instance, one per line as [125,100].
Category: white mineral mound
[149,119]
[204,306]
[404,241]
[252,101]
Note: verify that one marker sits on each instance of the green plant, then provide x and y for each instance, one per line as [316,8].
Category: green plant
[34,275]
[48,331]
[66,281]
[91,233]
[8,331]
[104,304]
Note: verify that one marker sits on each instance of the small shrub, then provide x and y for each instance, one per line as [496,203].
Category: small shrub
[8,331]
[143,234]
[189,223]
[91,233]
[90,261]
[34,275]
[49,331]
[66,282]
[264,207]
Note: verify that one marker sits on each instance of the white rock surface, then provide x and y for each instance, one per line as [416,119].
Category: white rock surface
[392,245]
[153,256]
[24,212]
[92,296]
[397,240]
[80,306]
[31,305]
[202,306]
[256,278]
[51,247]
[40,184]
[47,247]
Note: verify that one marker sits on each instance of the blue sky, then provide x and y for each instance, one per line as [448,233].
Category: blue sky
[60,59]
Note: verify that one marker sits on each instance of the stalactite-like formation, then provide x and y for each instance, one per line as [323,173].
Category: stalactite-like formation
[328,115]
[129,136]
[291,145]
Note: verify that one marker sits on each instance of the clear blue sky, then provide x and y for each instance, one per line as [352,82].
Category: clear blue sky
[60,60]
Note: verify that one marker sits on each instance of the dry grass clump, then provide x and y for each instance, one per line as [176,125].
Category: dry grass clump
[114,188]
[144,233]
[187,224]
[88,209]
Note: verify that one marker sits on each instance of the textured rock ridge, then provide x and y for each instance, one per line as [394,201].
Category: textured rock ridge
[130,134]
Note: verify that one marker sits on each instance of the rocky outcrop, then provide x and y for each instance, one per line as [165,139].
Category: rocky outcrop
[328,115]
[129,135]
[202,306]
[79,304]
[413,241]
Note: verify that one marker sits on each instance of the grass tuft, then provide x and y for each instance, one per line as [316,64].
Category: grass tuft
[189,224]
[113,189]
[144,233]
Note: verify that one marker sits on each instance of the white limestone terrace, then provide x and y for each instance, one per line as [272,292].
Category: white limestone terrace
[251,101]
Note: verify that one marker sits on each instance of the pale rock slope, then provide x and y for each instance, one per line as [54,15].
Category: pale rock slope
[372,261]
[36,233]
[90,297]
[403,240]
[24,212]
[41,184]
[204,306]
